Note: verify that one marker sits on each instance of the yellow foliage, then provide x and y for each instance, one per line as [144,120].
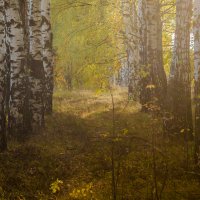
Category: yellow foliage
[84,192]
[56,186]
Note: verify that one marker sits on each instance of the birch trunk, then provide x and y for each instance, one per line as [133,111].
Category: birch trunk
[180,74]
[144,69]
[47,54]
[15,42]
[196,31]
[153,77]
[134,59]
[131,43]
[3,144]
[154,54]
[36,75]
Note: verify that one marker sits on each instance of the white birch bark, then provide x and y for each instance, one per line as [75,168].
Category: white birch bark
[36,75]
[15,42]
[131,42]
[47,54]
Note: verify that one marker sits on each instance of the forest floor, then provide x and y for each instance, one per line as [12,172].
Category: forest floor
[71,158]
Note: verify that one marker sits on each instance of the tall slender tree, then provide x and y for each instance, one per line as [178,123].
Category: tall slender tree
[154,53]
[47,54]
[2,78]
[144,70]
[16,62]
[180,73]
[36,69]
[153,77]
[196,31]
[131,43]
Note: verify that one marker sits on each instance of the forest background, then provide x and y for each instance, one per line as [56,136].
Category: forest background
[97,144]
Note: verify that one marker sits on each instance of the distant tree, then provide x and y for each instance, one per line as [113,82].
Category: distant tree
[180,72]
[47,54]
[16,64]
[36,69]
[131,43]
[196,31]
[89,42]
[2,78]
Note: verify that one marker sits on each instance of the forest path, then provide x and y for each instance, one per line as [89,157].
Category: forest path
[63,150]
[73,152]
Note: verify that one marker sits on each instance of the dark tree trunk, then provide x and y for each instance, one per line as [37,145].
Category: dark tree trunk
[47,54]
[3,143]
[153,77]
[180,73]
[196,32]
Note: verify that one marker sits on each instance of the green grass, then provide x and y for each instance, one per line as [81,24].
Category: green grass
[75,148]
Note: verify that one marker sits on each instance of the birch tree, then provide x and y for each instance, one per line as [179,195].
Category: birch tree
[47,54]
[180,73]
[196,31]
[131,43]
[153,77]
[2,77]
[15,42]
[144,71]
[36,74]
[154,53]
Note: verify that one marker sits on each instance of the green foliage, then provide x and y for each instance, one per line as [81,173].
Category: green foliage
[89,41]
[168,18]
[86,41]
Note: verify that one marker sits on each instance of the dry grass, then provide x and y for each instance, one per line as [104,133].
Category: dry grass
[75,147]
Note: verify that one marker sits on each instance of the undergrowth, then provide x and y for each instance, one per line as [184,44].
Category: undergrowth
[71,158]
